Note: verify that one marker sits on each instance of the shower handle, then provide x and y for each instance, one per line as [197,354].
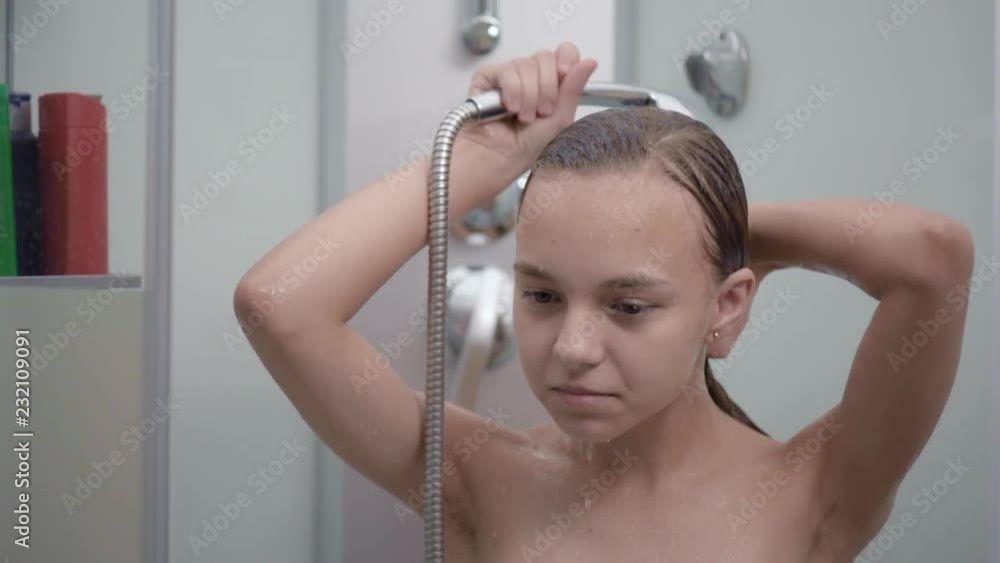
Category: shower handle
[489,105]
[481,331]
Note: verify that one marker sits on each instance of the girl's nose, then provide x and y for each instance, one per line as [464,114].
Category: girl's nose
[579,344]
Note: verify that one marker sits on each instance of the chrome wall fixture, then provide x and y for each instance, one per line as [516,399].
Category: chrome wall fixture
[482,32]
[480,327]
[719,72]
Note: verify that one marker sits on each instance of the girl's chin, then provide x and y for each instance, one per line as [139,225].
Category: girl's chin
[586,430]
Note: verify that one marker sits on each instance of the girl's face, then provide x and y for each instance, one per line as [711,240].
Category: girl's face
[612,297]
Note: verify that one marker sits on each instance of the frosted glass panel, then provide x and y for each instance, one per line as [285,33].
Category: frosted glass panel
[85,456]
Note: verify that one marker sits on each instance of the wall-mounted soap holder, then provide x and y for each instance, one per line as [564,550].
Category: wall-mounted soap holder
[719,72]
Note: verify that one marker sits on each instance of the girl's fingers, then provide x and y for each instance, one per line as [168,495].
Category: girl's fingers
[572,87]
[536,86]
[527,71]
[567,55]
[510,87]
[548,83]
[486,78]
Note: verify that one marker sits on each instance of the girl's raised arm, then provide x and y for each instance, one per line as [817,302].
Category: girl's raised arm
[373,420]
[915,263]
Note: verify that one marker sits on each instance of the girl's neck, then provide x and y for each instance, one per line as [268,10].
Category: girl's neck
[686,441]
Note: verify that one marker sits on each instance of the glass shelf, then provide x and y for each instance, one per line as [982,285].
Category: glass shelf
[102,281]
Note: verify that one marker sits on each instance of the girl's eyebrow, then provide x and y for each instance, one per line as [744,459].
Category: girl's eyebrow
[631,281]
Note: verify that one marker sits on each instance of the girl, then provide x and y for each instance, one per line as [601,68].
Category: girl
[651,245]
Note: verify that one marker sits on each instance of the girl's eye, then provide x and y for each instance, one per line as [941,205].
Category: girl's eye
[535,295]
[633,309]
[546,298]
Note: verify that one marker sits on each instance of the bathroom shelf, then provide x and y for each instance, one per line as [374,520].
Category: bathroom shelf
[102,281]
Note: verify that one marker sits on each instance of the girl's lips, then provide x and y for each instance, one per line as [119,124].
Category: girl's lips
[576,398]
[572,389]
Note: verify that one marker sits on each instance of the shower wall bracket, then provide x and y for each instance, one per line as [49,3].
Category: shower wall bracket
[719,72]
[481,33]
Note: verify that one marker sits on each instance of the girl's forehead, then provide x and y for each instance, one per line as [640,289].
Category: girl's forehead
[608,200]
[613,232]
[566,260]
[599,228]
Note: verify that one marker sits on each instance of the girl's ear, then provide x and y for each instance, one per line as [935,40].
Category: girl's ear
[733,301]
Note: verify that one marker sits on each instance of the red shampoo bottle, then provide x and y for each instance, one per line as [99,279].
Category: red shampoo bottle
[73,161]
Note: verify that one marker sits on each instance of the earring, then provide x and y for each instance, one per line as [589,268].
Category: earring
[715,334]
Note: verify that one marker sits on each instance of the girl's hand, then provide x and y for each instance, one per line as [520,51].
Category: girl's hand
[544,90]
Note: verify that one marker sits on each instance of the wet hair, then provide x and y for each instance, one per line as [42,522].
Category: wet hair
[688,152]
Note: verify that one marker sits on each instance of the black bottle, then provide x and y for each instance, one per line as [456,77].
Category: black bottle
[28,218]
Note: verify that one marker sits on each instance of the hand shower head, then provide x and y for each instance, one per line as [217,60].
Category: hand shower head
[600,94]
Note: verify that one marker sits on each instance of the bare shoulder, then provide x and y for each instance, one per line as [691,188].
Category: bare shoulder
[502,462]
[496,448]
[485,450]
[482,440]
[808,453]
